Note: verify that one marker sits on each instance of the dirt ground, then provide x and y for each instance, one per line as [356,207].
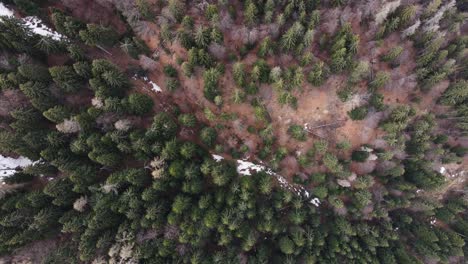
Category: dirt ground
[31,253]
[316,106]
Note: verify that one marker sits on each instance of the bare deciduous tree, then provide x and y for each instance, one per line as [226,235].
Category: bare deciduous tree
[68,126]
[123,125]
[80,204]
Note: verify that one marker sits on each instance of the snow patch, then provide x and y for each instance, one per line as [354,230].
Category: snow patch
[4,11]
[155,87]
[217,158]
[38,27]
[8,165]
[442,170]
[315,201]
[246,168]
[34,23]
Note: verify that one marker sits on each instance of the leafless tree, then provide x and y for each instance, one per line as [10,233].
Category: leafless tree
[68,126]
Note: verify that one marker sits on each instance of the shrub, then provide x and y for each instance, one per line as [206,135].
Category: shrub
[297,132]
[172,84]
[170,71]
[377,101]
[360,155]
[358,113]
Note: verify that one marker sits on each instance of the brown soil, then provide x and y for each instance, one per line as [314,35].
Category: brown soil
[32,253]
[95,12]
[316,106]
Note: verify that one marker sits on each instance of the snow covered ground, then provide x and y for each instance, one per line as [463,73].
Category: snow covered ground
[4,11]
[245,167]
[34,23]
[8,165]
[154,86]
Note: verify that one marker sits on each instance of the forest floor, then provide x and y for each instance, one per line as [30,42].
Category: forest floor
[317,107]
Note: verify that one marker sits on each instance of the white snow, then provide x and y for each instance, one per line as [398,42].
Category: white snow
[155,87]
[8,165]
[315,201]
[4,11]
[245,167]
[34,23]
[217,158]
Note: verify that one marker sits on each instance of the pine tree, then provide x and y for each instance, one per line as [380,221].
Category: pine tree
[211,11]
[166,34]
[34,72]
[163,126]
[317,75]
[39,95]
[286,245]
[216,35]
[358,113]
[82,69]
[188,120]
[188,150]
[238,73]
[98,35]
[208,136]
[289,40]
[265,47]
[202,37]
[320,147]
[75,52]
[250,14]
[144,8]
[308,38]
[331,162]
[129,48]
[48,45]
[457,93]
[57,113]
[238,96]
[66,78]
[392,54]
[210,78]
[140,104]
[381,78]
[177,9]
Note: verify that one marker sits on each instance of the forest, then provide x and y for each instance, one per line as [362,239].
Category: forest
[245,131]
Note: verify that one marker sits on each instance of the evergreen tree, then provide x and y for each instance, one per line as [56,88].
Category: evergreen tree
[140,104]
[208,136]
[66,78]
[98,35]
[188,120]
